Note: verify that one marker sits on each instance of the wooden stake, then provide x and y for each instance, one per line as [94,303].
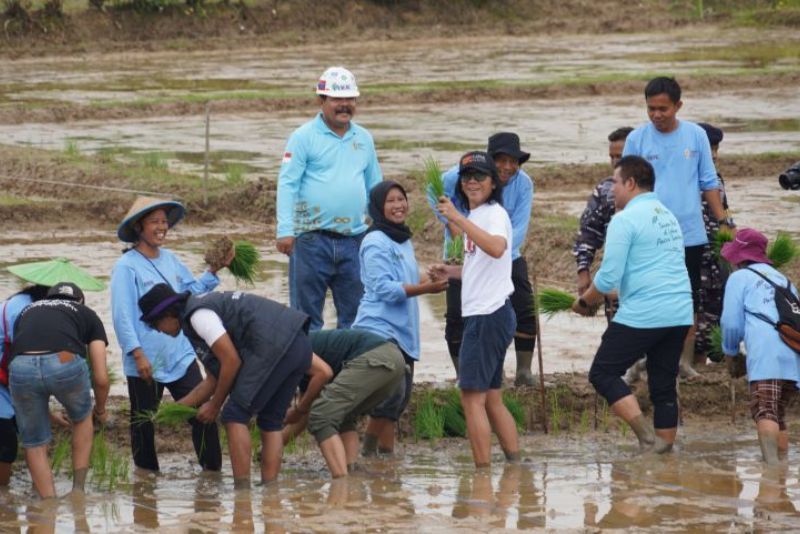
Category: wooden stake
[733,400]
[208,145]
[539,353]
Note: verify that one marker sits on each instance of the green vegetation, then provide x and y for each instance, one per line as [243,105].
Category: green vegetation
[720,238]
[552,301]
[434,185]
[755,54]
[11,200]
[234,174]
[71,149]
[783,250]
[429,420]
[154,160]
[61,452]
[454,251]
[168,414]
[108,465]
[715,352]
[245,262]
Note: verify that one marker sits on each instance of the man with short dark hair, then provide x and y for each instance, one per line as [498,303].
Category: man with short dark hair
[644,263]
[328,169]
[680,154]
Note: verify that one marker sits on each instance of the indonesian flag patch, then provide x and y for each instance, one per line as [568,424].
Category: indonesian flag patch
[287,157]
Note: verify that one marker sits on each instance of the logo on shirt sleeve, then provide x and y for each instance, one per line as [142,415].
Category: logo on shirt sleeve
[287,157]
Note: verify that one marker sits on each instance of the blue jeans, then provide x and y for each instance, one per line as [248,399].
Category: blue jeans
[320,261]
[32,379]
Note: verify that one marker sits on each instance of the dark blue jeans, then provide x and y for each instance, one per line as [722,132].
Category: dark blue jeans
[320,261]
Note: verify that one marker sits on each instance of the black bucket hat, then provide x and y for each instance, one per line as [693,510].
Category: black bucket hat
[713,133]
[507,143]
[159,298]
[65,290]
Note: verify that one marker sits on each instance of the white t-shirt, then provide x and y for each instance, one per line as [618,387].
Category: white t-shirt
[486,281]
[208,325]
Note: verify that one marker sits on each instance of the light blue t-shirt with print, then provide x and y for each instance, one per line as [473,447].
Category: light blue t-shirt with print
[683,167]
[386,266]
[768,357]
[325,180]
[644,261]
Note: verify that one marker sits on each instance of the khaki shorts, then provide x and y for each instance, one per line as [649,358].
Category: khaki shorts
[363,383]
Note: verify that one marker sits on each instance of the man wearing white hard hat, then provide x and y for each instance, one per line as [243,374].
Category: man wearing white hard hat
[329,166]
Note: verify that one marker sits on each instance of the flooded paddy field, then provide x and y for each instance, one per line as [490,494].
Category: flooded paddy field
[579,483]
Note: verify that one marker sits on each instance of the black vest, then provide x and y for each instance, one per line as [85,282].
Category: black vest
[261,330]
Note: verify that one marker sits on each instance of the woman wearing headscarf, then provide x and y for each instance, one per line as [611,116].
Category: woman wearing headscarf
[388,308]
[153,360]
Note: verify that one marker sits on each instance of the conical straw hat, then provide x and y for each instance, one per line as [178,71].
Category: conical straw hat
[51,272]
[141,207]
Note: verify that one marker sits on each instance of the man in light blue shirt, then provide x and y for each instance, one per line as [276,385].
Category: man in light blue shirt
[644,262]
[329,166]
[504,147]
[680,153]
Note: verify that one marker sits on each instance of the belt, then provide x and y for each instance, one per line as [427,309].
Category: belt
[331,234]
[64,356]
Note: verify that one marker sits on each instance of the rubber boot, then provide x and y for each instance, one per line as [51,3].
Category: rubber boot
[644,432]
[769,448]
[687,360]
[524,375]
[660,446]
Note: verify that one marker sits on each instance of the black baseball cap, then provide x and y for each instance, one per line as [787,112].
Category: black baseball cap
[65,290]
[477,161]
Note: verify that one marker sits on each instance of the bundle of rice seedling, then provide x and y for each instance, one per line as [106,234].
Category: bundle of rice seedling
[434,185]
[168,413]
[245,261]
[720,238]
[552,301]
[455,425]
[783,250]
[715,352]
[109,465]
[429,420]
[455,251]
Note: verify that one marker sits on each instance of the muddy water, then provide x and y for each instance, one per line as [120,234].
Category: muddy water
[713,482]
[555,131]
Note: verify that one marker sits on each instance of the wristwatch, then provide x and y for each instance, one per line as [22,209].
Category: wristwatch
[726,221]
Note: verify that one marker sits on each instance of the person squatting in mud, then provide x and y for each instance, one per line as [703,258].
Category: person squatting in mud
[255,352]
[151,360]
[517,186]
[364,369]
[749,314]
[489,319]
[644,263]
[389,307]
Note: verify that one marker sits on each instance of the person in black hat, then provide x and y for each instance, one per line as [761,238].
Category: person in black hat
[51,337]
[517,193]
[486,288]
[255,351]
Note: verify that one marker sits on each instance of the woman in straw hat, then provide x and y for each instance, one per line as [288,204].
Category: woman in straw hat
[152,360]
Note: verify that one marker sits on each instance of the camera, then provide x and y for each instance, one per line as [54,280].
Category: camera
[790,179]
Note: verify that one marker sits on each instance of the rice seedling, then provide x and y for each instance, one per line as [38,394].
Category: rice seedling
[108,465]
[555,412]
[604,417]
[61,451]
[245,260]
[455,250]
[624,430]
[167,414]
[234,174]
[782,250]
[552,301]
[583,424]
[715,352]
[455,425]
[516,409]
[434,185]
[71,149]
[720,238]
[429,420]
[154,160]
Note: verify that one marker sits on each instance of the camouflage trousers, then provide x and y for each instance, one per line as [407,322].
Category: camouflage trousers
[713,275]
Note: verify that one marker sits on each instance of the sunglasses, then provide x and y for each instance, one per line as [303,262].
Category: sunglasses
[474,176]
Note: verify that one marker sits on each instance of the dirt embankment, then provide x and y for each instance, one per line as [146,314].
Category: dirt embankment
[278,22]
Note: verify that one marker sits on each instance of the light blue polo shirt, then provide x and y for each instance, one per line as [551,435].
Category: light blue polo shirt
[768,357]
[644,260]
[684,168]
[517,201]
[325,180]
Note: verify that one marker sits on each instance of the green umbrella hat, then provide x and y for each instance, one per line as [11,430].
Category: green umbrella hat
[141,207]
[49,273]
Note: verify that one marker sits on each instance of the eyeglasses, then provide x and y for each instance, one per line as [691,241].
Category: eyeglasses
[473,176]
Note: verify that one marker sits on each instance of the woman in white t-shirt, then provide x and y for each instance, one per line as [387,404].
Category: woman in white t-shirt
[489,319]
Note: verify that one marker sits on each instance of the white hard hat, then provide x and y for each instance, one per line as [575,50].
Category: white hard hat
[337,82]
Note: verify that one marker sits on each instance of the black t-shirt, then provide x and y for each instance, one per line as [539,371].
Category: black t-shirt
[55,325]
[339,346]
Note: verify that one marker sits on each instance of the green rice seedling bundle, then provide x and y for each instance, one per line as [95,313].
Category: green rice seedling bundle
[552,301]
[109,465]
[455,425]
[168,414]
[61,452]
[455,250]
[715,352]
[434,185]
[783,250]
[515,408]
[720,238]
[245,260]
[429,420]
